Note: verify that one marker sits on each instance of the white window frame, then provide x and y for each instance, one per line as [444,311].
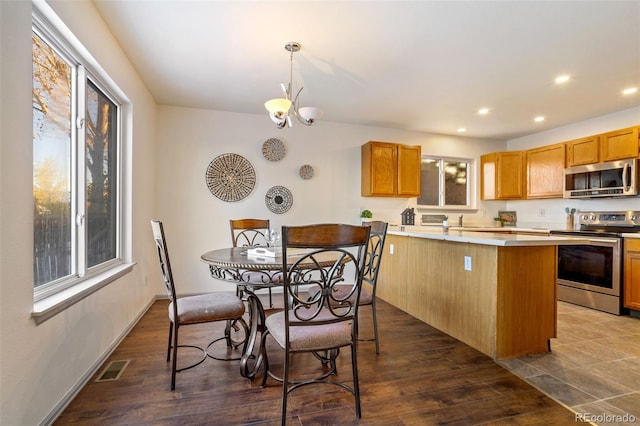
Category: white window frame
[471,184]
[54,297]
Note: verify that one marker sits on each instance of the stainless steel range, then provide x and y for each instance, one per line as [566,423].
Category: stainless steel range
[592,275]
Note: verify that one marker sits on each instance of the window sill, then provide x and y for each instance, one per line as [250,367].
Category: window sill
[53,305]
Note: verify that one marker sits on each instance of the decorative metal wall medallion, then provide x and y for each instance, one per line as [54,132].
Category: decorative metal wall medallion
[230,177]
[278,199]
[306,172]
[273,149]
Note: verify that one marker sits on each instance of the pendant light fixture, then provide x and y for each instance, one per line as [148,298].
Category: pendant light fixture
[281,109]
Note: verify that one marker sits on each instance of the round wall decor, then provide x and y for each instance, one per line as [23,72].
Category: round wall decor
[273,149]
[278,199]
[306,172]
[230,177]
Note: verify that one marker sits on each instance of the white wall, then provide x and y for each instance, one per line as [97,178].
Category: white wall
[550,213]
[40,364]
[196,221]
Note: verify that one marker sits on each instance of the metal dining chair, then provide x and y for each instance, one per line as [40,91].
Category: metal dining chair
[251,233]
[198,309]
[375,249]
[327,321]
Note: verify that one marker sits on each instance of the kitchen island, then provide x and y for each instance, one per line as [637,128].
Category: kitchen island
[495,292]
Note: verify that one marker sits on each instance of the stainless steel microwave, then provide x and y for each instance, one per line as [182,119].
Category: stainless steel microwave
[610,179]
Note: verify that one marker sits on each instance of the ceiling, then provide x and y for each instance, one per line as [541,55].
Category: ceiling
[414,65]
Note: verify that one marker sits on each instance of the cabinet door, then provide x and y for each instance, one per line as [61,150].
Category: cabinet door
[488,176]
[583,151]
[545,171]
[409,175]
[379,169]
[619,145]
[632,274]
[510,179]
[502,176]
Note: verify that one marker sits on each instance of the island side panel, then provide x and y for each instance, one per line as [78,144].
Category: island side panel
[443,294]
[527,307]
[392,277]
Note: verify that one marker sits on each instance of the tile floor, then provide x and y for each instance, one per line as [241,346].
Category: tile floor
[593,367]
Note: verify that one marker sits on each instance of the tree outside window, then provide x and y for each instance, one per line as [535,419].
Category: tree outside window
[75,168]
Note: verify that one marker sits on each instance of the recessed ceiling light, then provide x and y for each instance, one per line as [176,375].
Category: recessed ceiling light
[483,111]
[630,91]
[539,119]
[462,129]
[562,78]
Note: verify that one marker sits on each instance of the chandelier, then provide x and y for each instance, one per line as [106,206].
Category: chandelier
[281,109]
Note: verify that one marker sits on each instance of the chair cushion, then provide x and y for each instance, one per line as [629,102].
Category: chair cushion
[310,338]
[207,308]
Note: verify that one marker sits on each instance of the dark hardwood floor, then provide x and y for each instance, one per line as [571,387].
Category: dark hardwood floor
[421,377]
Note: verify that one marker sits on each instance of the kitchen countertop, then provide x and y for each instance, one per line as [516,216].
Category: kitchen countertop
[490,238]
[629,235]
[499,229]
[471,228]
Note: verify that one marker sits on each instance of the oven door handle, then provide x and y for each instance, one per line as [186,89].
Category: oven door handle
[625,183]
[603,240]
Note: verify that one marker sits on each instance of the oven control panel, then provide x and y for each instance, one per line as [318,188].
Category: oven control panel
[618,218]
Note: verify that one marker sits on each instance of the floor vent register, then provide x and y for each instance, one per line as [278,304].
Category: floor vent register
[113,371]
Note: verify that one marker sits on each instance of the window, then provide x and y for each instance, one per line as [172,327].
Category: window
[76,167]
[445,182]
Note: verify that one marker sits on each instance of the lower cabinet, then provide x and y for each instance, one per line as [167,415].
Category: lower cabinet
[502,301]
[632,273]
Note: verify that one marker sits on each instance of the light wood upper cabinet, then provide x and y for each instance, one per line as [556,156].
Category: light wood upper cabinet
[632,273]
[409,176]
[619,144]
[390,170]
[502,176]
[545,171]
[583,151]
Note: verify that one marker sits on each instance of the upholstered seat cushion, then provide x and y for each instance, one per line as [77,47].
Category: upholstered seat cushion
[207,307]
[309,338]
